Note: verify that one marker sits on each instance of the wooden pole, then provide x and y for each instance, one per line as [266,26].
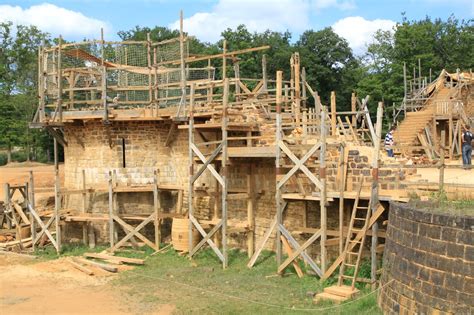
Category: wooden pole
[224,60]
[342,183]
[31,198]
[224,170]
[264,73]
[251,210]
[237,80]
[111,212]
[303,85]
[333,114]
[354,109]
[6,191]
[297,89]
[104,77]
[156,209]
[149,53]
[56,197]
[322,202]
[375,192]
[182,63]
[279,79]
[191,168]
[84,207]
[441,161]
[60,81]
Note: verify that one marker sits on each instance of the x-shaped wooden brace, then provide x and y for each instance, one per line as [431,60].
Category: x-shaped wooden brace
[206,238]
[134,231]
[44,227]
[299,250]
[299,165]
[207,165]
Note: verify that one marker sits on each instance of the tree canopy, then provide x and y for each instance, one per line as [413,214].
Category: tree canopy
[330,64]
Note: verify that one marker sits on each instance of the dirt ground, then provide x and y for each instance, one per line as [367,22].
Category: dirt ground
[55,287]
[18,174]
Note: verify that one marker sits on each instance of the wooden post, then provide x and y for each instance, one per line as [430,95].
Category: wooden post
[354,109]
[31,200]
[224,170]
[156,209]
[333,114]
[104,78]
[303,85]
[182,65]
[250,210]
[450,129]
[297,89]
[279,79]
[6,191]
[111,212]
[60,81]
[150,86]
[375,192]
[84,207]
[57,201]
[264,73]
[237,80]
[191,167]
[441,161]
[342,184]
[224,59]
[322,202]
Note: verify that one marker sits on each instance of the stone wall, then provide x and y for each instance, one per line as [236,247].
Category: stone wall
[98,149]
[428,263]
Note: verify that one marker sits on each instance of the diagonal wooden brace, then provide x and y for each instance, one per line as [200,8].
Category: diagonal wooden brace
[209,241]
[299,165]
[207,162]
[303,254]
[44,228]
[209,166]
[206,238]
[298,251]
[134,232]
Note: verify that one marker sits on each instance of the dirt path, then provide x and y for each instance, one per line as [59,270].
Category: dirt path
[54,287]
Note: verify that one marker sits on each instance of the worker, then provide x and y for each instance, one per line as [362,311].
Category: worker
[389,142]
[467,147]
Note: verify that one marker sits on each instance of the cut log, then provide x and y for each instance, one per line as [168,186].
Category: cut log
[81,268]
[106,267]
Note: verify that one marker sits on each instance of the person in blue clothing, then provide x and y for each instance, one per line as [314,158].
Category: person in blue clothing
[389,142]
[467,148]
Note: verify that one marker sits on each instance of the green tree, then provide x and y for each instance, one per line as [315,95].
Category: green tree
[330,64]
[18,84]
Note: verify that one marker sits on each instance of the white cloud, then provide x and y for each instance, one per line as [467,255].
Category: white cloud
[257,15]
[53,19]
[359,31]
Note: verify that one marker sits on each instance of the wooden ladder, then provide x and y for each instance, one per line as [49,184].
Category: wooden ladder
[357,216]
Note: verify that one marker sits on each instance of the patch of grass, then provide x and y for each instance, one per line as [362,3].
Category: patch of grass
[49,252]
[201,285]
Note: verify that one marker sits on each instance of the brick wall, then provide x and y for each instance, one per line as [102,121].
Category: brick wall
[428,263]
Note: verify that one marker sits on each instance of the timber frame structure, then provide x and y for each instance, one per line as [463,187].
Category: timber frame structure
[230,123]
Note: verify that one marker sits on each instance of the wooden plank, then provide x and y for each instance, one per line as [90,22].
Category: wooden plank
[133,261]
[262,243]
[289,251]
[106,267]
[81,268]
[22,214]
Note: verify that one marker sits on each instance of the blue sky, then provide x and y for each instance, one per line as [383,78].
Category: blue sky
[356,20]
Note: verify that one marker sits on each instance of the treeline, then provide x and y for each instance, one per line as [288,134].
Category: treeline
[330,65]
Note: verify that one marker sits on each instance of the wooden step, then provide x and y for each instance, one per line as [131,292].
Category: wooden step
[345,291]
[323,296]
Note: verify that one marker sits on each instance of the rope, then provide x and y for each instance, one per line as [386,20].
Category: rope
[229,296]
